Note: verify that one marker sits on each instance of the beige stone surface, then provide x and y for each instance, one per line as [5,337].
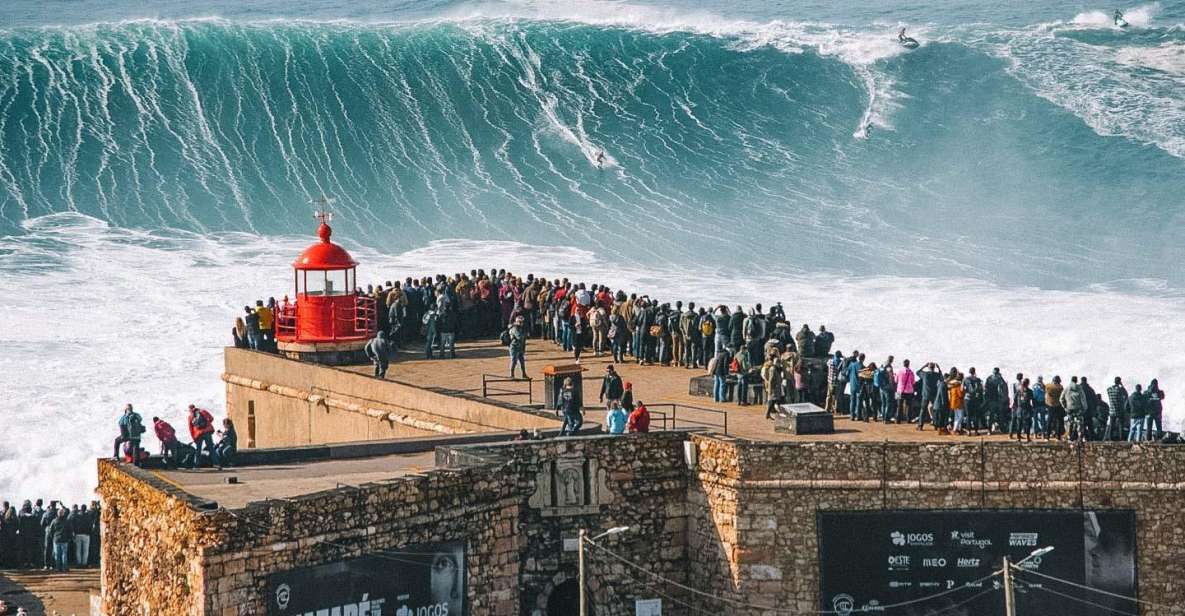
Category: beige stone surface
[43,593]
[256,483]
[654,385]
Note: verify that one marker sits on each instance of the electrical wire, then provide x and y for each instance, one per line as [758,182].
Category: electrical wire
[767,608]
[1099,590]
[1080,600]
[963,602]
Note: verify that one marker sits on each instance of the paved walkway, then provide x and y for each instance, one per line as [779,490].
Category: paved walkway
[655,385]
[43,593]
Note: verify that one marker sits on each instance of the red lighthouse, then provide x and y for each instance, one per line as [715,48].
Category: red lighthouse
[329,322]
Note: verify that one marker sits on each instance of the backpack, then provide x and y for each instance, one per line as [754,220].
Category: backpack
[707,327]
[505,337]
[135,426]
[565,309]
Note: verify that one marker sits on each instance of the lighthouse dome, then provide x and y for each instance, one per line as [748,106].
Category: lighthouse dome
[324,255]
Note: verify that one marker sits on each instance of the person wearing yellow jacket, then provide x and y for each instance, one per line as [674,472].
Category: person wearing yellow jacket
[267,326]
[954,386]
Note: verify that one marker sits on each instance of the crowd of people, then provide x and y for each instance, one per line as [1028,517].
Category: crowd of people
[752,355]
[201,451]
[57,537]
[956,402]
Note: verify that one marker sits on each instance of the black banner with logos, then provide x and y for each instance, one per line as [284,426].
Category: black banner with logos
[871,560]
[423,580]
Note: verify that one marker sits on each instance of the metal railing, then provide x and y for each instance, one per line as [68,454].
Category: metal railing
[687,414]
[495,392]
[357,320]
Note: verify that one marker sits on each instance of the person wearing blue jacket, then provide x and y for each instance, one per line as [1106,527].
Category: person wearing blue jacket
[615,419]
[854,368]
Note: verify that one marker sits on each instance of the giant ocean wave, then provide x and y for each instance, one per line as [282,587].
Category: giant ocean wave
[997,197]
[846,152]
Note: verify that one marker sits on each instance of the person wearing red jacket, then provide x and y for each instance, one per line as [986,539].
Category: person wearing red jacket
[167,437]
[639,420]
[201,428]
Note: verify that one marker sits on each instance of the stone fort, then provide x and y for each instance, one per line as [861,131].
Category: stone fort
[337,467]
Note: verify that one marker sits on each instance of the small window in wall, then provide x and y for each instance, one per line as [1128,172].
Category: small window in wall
[250,424]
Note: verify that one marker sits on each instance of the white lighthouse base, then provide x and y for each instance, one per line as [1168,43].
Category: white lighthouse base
[339,353]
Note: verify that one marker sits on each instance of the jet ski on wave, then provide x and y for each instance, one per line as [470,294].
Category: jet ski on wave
[906,41]
[1120,22]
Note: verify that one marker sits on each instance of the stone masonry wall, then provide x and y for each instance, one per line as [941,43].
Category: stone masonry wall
[152,543]
[778,488]
[166,552]
[740,526]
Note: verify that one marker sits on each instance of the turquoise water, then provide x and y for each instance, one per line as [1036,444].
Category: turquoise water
[1008,194]
[1038,145]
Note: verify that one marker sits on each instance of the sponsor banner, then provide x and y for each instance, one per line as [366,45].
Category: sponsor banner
[423,580]
[870,560]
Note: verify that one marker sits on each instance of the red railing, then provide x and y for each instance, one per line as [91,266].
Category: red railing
[286,321]
[349,321]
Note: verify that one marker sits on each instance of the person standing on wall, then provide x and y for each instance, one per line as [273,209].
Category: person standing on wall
[573,415]
[201,428]
[131,426]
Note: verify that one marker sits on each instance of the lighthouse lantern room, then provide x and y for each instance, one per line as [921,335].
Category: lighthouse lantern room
[329,322]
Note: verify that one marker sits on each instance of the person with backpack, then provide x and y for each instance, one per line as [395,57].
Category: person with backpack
[995,396]
[431,331]
[675,333]
[707,329]
[618,335]
[378,349]
[169,445]
[131,427]
[973,402]
[517,341]
[201,429]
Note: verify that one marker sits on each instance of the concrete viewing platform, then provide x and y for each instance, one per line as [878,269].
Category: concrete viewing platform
[292,479]
[653,384]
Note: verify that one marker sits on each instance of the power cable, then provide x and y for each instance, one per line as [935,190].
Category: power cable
[1099,590]
[1080,600]
[696,591]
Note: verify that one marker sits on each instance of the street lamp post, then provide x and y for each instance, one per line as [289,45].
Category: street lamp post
[1009,597]
[617,530]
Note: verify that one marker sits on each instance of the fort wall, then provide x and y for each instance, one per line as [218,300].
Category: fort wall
[279,402]
[739,523]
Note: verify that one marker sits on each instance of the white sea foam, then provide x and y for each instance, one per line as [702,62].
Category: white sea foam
[1095,82]
[1140,17]
[95,316]
[1166,58]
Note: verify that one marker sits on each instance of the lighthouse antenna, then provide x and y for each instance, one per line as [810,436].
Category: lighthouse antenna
[323,214]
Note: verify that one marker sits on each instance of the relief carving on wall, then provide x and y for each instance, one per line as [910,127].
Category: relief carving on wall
[570,486]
